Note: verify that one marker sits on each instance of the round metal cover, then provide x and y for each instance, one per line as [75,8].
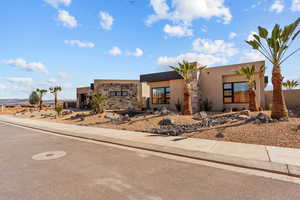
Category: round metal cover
[50,155]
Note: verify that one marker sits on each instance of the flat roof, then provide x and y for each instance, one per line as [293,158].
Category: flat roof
[173,75]
[160,76]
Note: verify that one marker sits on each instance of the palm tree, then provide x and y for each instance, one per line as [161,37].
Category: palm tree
[290,84]
[55,91]
[186,69]
[41,93]
[249,73]
[274,48]
[98,102]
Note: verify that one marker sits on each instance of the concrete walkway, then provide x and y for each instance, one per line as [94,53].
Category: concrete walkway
[275,159]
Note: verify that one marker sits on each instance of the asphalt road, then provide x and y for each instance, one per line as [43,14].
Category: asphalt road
[96,171]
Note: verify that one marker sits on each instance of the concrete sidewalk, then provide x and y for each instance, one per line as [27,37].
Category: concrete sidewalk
[275,159]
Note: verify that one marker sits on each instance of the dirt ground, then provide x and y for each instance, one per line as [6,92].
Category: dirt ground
[284,134]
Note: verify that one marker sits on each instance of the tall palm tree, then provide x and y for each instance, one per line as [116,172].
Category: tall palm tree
[41,93]
[290,84]
[54,91]
[274,48]
[186,69]
[249,73]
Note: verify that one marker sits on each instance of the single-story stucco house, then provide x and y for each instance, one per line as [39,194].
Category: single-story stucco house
[218,85]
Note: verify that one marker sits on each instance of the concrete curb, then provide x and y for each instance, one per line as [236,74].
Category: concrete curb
[268,166]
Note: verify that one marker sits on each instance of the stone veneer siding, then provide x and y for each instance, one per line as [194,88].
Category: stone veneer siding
[119,102]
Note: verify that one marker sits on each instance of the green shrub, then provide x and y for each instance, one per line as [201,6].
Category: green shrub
[58,109]
[205,105]
[34,98]
[98,103]
[178,106]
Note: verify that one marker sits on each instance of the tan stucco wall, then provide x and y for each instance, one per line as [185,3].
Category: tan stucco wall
[292,97]
[212,79]
[176,92]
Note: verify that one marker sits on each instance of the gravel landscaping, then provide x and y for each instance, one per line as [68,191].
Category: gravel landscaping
[243,127]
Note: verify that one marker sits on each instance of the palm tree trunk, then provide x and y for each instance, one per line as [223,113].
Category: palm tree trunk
[279,109]
[41,103]
[55,100]
[187,105]
[252,100]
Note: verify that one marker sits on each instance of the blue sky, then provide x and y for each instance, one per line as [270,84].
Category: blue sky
[45,43]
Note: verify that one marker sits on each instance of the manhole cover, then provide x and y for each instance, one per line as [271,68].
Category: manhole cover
[50,155]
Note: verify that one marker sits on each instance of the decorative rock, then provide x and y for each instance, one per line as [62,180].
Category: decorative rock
[220,135]
[166,121]
[245,112]
[164,111]
[200,115]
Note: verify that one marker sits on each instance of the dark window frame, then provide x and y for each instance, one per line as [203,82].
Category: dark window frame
[232,92]
[166,100]
[118,93]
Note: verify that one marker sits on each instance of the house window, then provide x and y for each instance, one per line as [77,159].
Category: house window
[118,93]
[236,92]
[161,95]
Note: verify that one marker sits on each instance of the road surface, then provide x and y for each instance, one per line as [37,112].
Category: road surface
[95,171]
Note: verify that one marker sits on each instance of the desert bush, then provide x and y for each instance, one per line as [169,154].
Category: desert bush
[98,103]
[178,105]
[34,98]
[205,105]
[58,109]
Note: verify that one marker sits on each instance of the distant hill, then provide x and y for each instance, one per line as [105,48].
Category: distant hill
[25,102]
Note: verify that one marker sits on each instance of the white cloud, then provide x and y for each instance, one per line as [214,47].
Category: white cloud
[138,52]
[29,66]
[20,80]
[277,6]
[250,36]
[250,56]
[52,81]
[80,44]
[217,47]
[63,75]
[258,3]
[185,11]
[177,30]
[2,87]
[232,35]
[295,5]
[67,19]
[191,57]
[115,51]
[57,3]
[106,20]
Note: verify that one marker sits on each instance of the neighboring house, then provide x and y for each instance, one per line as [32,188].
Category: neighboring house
[84,96]
[219,85]
[121,94]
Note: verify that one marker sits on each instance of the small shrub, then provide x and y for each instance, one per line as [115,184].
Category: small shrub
[270,106]
[34,98]
[59,109]
[178,106]
[98,103]
[205,105]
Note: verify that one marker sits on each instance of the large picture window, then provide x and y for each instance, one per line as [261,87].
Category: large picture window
[236,92]
[161,95]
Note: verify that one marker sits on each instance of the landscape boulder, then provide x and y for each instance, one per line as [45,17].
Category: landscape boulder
[166,121]
[201,115]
